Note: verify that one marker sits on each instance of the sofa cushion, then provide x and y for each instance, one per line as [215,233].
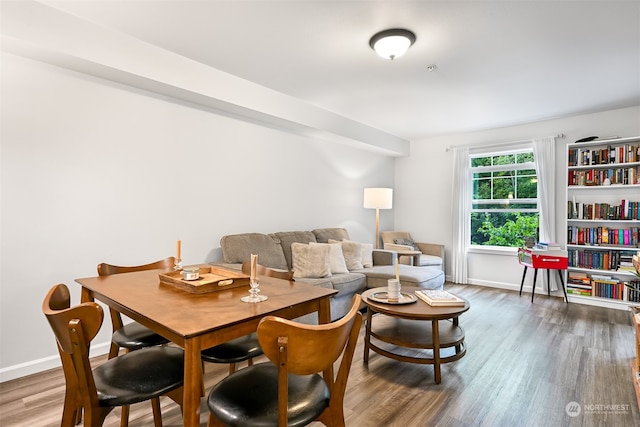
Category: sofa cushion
[430,260]
[324,234]
[310,260]
[237,248]
[349,284]
[424,277]
[336,257]
[286,238]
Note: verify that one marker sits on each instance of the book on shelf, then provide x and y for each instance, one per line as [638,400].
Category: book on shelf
[439,298]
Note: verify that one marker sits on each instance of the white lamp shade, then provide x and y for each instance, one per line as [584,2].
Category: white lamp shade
[392,47]
[378,198]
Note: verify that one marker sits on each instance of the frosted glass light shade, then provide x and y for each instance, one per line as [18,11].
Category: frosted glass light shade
[391,44]
[378,198]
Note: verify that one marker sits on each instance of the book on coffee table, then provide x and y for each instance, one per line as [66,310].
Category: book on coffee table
[439,298]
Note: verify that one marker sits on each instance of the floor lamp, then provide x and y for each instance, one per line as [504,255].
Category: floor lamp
[378,198]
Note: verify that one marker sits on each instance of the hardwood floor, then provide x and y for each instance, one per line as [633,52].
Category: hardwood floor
[525,364]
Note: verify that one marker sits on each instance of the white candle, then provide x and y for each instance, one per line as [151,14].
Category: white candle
[254,264]
[397,271]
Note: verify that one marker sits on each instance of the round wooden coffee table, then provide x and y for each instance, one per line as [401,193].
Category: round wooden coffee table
[414,325]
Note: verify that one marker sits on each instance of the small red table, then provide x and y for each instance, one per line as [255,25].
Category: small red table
[550,260]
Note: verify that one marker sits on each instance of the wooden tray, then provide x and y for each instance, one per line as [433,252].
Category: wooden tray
[211,279]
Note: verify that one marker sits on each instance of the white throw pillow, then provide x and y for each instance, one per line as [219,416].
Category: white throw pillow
[310,261]
[336,257]
[367,254]
[352,254]
[366,258]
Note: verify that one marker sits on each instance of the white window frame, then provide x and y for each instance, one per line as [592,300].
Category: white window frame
[511,202]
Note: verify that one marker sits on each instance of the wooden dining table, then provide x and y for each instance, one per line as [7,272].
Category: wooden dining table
[199,321]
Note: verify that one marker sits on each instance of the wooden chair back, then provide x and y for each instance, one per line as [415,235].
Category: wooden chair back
[105,269]
[307,349]
[261,270]
[74,328]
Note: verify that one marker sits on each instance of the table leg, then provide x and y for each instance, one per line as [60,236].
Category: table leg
[524,273]
[436,350]
[367,335]
[456,322]
[192,383]
[86,295]
[324,311]
[548,282]
[564,289]
[535,277]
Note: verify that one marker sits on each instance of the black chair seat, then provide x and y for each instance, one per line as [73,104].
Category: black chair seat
[134,336]
[234,351]
[140,375]
[249,398]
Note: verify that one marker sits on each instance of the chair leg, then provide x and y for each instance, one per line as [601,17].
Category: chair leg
[232,368]
[113,350]
[157,415]
[124,416]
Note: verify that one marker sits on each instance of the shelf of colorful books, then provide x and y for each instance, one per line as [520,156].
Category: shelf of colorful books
[603,237]
[605,152]
[603,210]
[600,221]
[612,287]
[602,259]
[603,221]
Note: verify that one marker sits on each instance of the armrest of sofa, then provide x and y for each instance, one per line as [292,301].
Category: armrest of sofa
[396,247]
[384,257]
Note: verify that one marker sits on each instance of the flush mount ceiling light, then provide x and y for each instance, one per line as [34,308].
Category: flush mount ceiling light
[393,43]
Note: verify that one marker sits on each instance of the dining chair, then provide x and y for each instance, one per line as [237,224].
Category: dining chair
[133,335]
[288,390]
[246,347]
[131,378]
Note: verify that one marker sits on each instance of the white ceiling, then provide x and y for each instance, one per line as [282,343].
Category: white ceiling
[500,63]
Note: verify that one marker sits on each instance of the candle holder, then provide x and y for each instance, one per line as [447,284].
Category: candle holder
[177,264]
[254,292]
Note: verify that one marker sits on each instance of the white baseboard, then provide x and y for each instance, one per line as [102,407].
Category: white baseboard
[44,364]
[540,288]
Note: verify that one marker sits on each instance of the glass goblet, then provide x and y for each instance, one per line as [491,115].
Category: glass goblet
[254,292]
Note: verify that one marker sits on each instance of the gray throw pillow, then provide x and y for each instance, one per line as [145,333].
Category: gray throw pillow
[406,242]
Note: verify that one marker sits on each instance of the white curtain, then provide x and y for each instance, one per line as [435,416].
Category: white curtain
[544,154]
[461,209]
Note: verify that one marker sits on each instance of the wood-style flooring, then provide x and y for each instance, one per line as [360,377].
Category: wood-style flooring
[544,364]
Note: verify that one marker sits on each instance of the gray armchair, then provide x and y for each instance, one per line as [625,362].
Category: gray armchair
[423,254]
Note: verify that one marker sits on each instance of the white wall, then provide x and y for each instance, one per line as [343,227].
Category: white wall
[94,171]
[424,185]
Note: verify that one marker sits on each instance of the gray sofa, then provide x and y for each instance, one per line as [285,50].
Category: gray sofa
[274,251]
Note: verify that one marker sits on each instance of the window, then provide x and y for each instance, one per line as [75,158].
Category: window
[504,205]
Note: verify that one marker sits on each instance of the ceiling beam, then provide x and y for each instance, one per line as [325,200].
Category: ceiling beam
[46,34]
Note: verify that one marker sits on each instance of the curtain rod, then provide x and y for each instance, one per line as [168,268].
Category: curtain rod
[451,147]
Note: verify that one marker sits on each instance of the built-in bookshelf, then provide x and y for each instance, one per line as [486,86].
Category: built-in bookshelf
[603,221]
